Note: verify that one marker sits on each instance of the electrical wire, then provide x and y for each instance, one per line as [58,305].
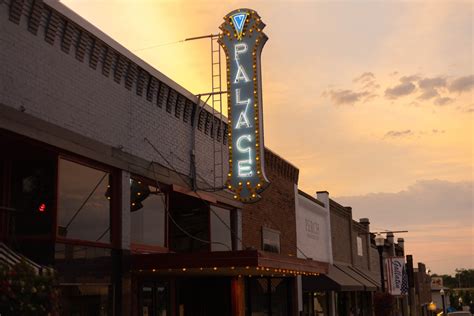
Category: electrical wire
[230,229]
[158,45]
[85,201]
[197,193]
[175,223]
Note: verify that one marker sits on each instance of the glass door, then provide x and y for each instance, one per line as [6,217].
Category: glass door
[154,299]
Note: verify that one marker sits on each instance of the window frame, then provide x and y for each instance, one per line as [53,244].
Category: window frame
[115,204]
[233,224]
[272,231]
[146,248]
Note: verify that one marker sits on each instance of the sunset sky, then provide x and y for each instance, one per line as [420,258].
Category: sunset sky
[371,100]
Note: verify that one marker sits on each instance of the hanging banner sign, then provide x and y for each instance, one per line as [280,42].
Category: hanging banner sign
[394,268]
[242,40]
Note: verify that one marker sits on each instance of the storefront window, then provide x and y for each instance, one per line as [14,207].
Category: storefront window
[279,297]
[83,202]
[268,296]
[147,207]
[86,299]
[188,224]
[221,235]
[32,196]
[319,303]
[85,280]
[270,240]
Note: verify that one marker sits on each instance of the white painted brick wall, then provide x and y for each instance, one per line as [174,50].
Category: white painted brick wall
[54,86]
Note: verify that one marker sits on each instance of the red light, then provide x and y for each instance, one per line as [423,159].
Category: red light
[42,207]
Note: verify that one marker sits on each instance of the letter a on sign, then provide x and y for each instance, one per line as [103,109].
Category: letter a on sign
[242,40]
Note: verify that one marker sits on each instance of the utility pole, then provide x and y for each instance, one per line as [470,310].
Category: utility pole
[411,286]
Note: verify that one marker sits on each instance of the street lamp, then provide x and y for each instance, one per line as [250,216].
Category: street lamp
[380,242]
[432,307]
[441,292]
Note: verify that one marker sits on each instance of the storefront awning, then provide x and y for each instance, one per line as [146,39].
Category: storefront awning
[350,271]
[231,263]
[370,276]
[334,280]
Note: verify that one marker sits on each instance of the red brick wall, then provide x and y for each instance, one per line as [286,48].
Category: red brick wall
[276,209]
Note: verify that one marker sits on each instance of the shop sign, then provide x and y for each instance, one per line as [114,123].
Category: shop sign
[395,270]
[436,282]
[242,40]
[312,230]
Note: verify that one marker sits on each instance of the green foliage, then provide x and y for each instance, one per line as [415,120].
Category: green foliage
[464,278]
[22,292]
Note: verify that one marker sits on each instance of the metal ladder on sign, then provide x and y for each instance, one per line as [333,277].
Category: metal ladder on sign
[216,100]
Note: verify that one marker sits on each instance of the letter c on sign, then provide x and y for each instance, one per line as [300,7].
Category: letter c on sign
[241,149]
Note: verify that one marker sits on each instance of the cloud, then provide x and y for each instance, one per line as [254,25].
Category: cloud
[441,199]
[398,134]
[429,87]
[462,84]
[408,133]
[411,78]
[467,109]
[366,76]
[429,83]
[433,211]
[443,100]
[344,97]
[404,88]
[365,92]
[429,94]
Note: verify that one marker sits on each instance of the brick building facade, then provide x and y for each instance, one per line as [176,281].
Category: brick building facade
[121,160]
[276,210]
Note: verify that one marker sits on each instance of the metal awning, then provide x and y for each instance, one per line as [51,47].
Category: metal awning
[369,275]
[350,271]
[334,280]
[226,263]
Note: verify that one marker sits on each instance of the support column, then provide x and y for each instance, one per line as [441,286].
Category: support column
[332,303]
[123,294]
[299,293]
[237,290]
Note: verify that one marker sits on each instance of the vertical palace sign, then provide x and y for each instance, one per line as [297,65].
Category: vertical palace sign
[242,40]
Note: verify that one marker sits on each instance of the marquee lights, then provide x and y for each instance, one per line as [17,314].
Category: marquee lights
[247,269]
[242,40]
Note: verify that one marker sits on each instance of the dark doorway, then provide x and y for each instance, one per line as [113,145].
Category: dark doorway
[204,297]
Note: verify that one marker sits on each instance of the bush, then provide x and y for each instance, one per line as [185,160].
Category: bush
[23,292]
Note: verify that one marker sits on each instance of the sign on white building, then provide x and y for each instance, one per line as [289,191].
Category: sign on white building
[312,230]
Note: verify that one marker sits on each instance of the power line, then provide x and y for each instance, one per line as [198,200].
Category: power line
[158,45]
[86,200]
[225,224]
[197,193]
[176,224]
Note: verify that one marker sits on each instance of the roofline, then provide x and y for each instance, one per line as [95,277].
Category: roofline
[311,198]
[88,26]
[283,159]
